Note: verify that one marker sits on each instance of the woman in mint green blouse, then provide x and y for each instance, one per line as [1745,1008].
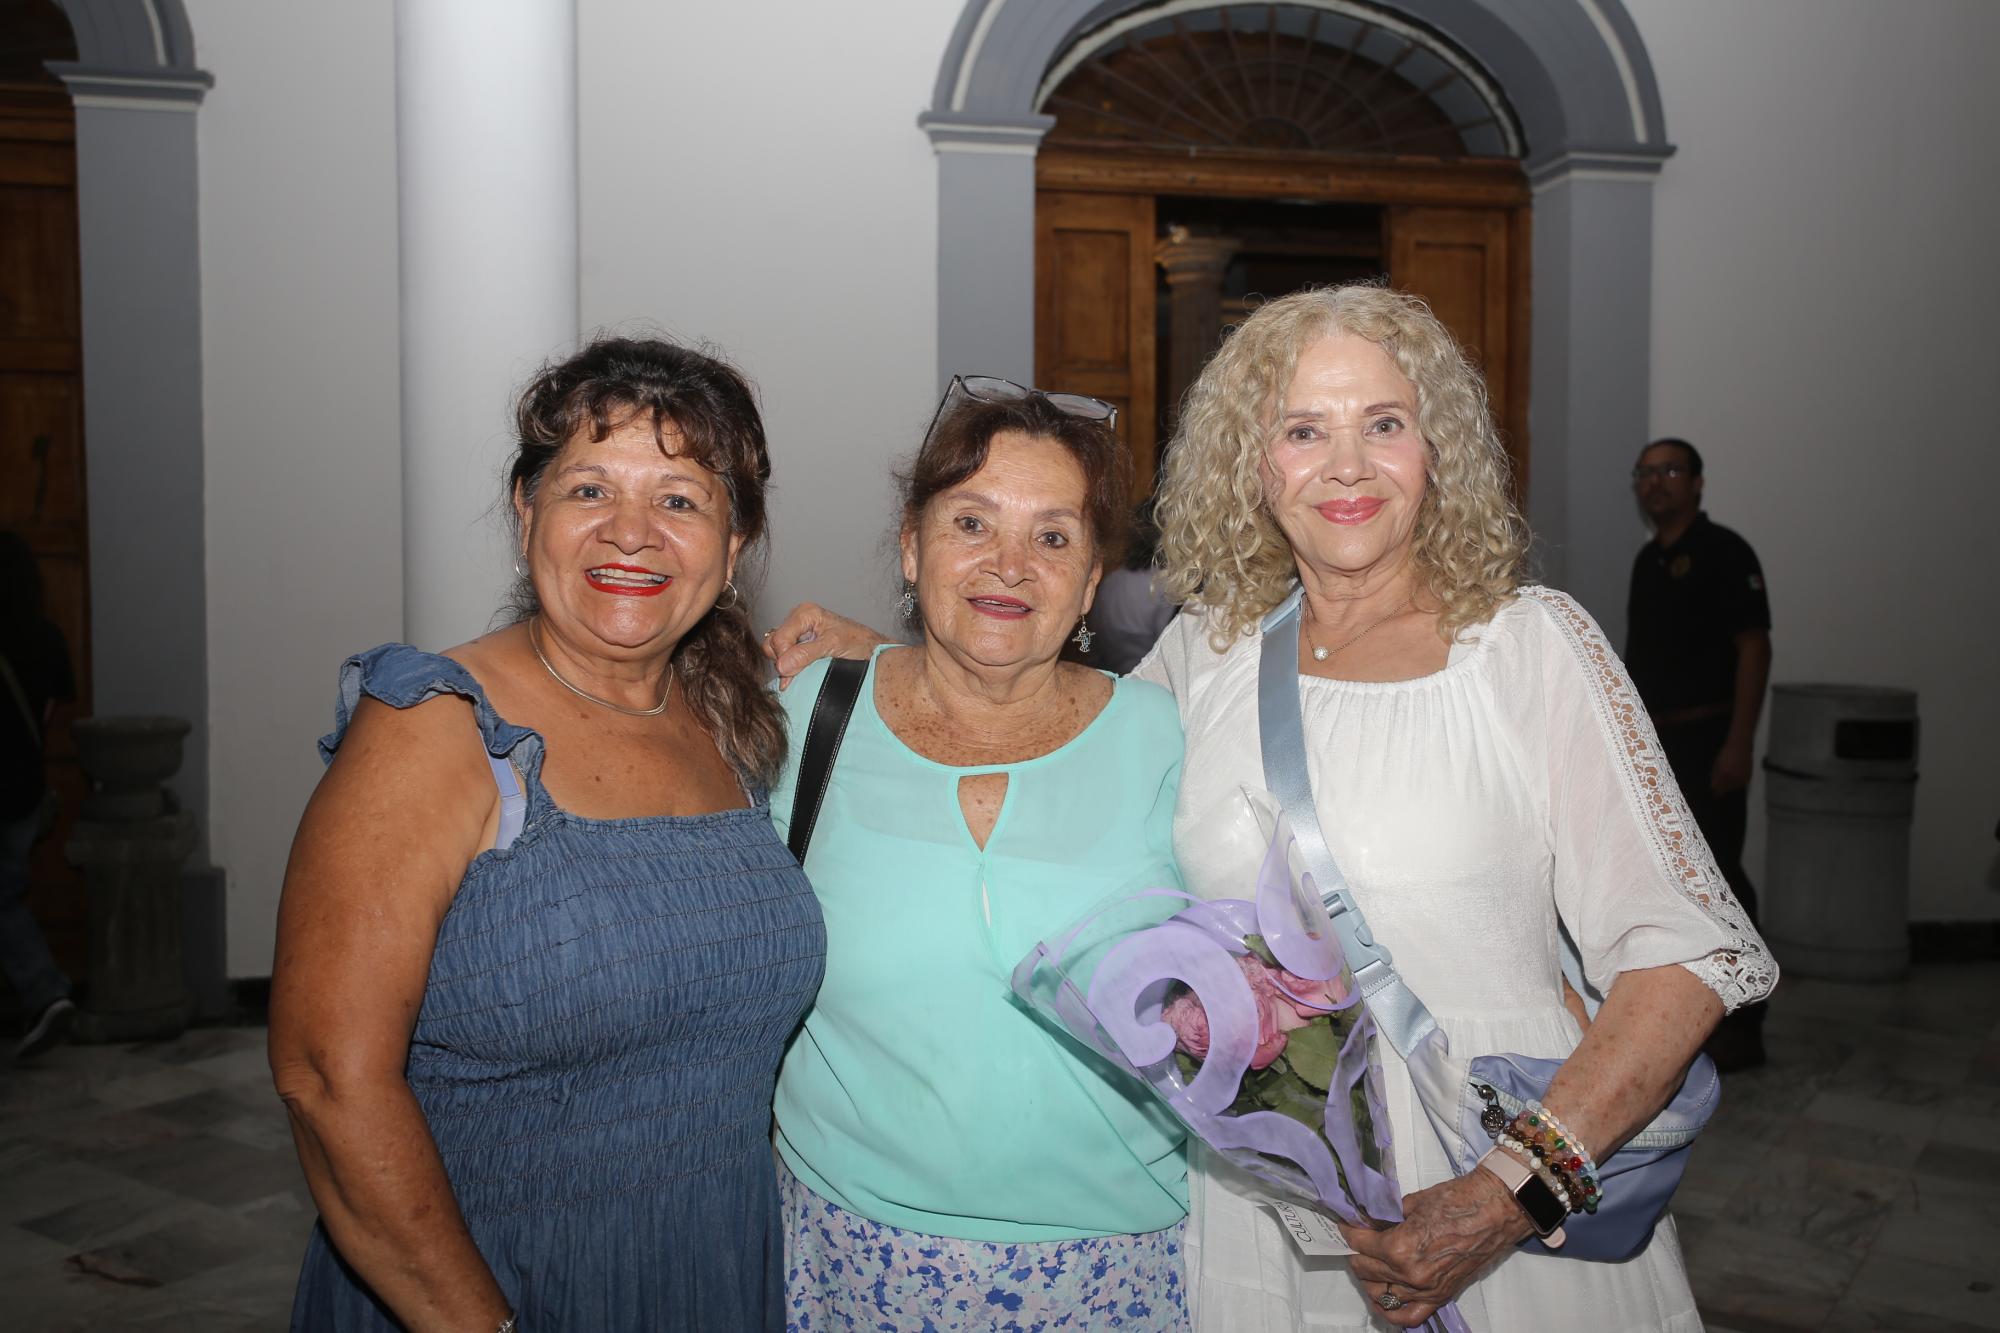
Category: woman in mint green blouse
[950,1162]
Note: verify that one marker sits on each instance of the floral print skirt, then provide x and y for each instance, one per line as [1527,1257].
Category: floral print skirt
[844,1272]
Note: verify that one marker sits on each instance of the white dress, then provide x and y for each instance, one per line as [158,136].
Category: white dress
[1472,810]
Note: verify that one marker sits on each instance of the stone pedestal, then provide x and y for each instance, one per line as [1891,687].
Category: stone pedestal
[130,844]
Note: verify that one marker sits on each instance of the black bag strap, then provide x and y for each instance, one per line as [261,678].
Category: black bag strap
[831,710]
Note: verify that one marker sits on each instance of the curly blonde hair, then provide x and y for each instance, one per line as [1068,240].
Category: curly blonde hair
[1221,550]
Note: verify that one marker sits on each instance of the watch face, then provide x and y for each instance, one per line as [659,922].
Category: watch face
[1544,1210]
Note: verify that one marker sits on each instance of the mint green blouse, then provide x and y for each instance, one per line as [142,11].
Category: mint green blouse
[920,1093]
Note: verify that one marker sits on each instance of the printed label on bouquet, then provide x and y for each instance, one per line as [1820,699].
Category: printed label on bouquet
[1311,1231]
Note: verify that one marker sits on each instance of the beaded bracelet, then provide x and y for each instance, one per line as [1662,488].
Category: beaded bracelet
[1549,1142]
[1563,1155]
[1558,1186]
[1579,1164]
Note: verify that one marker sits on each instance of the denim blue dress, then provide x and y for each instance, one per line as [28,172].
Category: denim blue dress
[596,1050]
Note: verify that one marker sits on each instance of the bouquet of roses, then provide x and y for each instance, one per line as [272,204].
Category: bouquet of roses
[1242,1016]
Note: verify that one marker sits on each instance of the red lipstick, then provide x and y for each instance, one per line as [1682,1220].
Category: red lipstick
[1350,512]
[627,580]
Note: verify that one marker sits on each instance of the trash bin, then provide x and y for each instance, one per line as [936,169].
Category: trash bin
[1840,782]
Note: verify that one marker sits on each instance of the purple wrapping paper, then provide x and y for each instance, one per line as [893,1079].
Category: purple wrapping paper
[1107,980]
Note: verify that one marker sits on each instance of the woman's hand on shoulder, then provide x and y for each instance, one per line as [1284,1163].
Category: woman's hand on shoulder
[809,632]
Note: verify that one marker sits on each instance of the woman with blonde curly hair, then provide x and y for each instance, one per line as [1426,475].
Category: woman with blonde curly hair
[1486,778]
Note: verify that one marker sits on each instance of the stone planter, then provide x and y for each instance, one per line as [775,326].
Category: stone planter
[130,844]
[127,759]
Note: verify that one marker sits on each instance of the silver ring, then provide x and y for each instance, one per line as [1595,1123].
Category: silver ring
[1389,1300]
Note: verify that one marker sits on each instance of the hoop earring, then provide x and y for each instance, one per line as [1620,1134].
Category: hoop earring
[906,606]
[735,597]
[1083,636]
[520,570]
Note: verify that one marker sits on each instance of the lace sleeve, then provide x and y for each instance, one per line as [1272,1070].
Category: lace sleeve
[1635,880]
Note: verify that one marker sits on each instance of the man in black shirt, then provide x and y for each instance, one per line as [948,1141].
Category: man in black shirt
[1698,645]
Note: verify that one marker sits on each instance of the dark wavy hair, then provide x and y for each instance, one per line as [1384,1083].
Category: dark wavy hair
[963,437]
[714,410]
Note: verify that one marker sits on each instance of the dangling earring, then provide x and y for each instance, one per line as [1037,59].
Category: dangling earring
[735,597]
[907,606]
[1083,636]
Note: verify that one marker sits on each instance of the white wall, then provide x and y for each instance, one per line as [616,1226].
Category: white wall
[754,175]
[299,349]
[1824,297]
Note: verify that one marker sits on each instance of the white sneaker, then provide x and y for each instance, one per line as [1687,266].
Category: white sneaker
[50,1028]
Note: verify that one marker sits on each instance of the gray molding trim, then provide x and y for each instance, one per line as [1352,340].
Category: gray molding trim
[132,35]
[90,86]
[1642,161]
[950,132]
[132,55]
[1630,46]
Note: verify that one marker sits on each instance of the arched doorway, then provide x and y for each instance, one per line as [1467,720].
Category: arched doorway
[1576,76]
[1203,160]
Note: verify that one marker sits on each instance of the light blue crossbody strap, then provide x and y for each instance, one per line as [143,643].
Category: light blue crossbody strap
[513,803]
[1398,1013]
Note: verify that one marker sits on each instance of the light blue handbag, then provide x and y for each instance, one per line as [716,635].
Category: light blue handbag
[1638,1179]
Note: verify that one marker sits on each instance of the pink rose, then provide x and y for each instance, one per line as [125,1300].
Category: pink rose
[1275,1014]
[1190,1024]
[1312,999]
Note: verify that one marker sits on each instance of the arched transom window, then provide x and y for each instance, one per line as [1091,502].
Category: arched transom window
[1333,76]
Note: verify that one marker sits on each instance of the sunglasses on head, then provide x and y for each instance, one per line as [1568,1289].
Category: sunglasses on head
[992,389]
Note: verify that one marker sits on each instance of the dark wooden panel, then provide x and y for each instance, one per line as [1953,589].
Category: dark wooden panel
[1252,175]
[1094,317]
[41,451]
[1463,262]
[38,290]
[1093,271]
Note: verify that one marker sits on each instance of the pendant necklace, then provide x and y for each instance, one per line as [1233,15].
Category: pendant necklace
[1320,654]
[534,641]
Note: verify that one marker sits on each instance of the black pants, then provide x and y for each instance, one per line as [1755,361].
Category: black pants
[1691,750]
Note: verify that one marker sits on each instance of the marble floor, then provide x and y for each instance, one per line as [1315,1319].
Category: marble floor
[1852,1184]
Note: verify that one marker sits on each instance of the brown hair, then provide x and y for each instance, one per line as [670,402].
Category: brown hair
[963,437]
[714,411]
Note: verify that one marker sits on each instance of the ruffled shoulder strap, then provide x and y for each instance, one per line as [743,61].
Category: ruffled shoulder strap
[403,677]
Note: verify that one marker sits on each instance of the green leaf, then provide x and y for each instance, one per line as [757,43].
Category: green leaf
[1312,1051]
[1262,950]
[1290,1096]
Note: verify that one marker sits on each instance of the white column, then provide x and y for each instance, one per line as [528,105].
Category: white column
[486,168]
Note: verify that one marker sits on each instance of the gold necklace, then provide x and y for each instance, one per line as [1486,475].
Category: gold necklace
[1320,654]
[534,641]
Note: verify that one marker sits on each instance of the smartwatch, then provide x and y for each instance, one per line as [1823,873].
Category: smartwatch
[1545,1211]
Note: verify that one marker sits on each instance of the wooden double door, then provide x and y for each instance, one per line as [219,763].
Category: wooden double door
[1454,233]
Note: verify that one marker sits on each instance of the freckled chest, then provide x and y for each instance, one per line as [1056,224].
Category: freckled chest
[943,741]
